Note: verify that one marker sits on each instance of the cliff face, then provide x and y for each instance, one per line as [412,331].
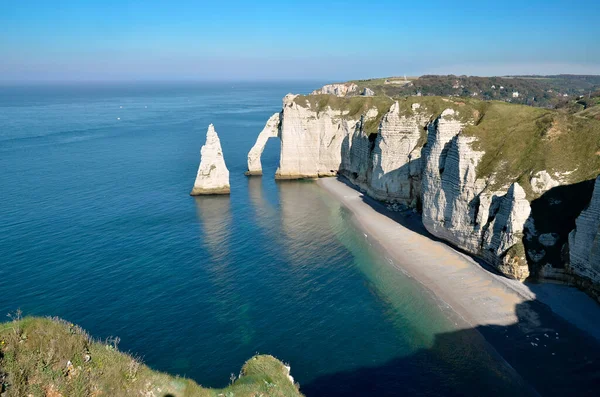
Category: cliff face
[456,162]
[584,240]
[337,89]
[213,175]
[397,156]
[311,140]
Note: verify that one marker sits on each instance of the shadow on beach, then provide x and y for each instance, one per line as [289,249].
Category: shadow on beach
[553,359]
[412,221]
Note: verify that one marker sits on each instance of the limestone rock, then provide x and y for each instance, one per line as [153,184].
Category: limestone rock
[450,190]
[356,155]
[213,175]
[311,141]
[271,130]
[396,157]
[367,92]
[337,89]
[502,241]
[542,181]
[457,207]
[584,240]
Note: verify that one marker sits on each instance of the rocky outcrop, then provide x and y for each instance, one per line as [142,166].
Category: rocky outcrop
[271,130]
[311,140]
[337,89]
[397,157]
[542,181]
[367,92]
[458,208]
[584,241]
[433,161]
[213,175]
[502,240]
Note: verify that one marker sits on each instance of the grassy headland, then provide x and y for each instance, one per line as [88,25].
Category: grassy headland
[53,358]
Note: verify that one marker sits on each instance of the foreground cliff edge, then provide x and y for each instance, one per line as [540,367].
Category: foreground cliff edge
[505,183]
[51,357]
[213,175]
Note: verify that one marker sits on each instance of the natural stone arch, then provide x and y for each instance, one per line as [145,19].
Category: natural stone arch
[271,130]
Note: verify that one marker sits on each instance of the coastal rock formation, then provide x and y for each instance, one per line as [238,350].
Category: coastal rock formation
[271,130]
[367,92]
[397,157]
[213,175]
[542,181]
[337,89]
[442,157]
[584,240]
[502,240]
[311,140]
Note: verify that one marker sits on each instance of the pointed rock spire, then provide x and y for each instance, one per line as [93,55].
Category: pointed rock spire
[213,175]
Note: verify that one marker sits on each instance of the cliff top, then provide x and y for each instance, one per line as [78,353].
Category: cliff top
[539,91]
[518,140]
[51,357]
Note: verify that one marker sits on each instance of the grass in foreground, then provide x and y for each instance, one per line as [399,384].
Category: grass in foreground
[53,358]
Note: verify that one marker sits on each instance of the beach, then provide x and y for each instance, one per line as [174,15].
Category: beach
[528,324]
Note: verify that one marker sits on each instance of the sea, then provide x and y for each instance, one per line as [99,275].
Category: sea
[97,227]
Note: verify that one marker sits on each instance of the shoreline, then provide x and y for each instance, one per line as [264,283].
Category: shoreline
[397,235]
[533,328]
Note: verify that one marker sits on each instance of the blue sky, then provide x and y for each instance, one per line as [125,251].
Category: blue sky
[285,39]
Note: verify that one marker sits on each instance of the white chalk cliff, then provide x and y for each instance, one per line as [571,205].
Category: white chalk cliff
[426,161]
[213,175]
[311,141]
[271,130]
[584,241]
[337,89]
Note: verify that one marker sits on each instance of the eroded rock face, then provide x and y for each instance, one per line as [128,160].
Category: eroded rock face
[584,241]
[367,92]
[430,166]
[542,181]
[213,175]
[271,130]
[502,240]
[458,208]
[397,157]
[311,141]
[337,89]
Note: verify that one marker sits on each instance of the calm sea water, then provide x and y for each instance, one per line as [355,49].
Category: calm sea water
[96,226]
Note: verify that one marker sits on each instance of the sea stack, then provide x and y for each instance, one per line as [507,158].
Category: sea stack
[213,175]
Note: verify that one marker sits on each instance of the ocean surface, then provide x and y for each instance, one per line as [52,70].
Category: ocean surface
[97,227]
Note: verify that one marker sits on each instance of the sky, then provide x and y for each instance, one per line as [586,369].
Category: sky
[294,40]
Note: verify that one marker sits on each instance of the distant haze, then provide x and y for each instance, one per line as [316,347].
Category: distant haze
[278,40]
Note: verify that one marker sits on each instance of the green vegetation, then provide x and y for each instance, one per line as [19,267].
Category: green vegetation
[353,107]
[518,140]
[521,140]
[539,91]
[51,357]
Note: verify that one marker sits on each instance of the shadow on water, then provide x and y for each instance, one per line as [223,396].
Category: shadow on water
[552,359]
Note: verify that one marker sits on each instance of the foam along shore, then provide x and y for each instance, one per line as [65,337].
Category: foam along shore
[475,295]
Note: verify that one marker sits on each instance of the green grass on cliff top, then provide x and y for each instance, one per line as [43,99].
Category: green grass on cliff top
[518,140]
[35,352]
[355,106]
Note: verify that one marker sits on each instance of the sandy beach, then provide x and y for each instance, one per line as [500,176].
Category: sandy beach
[544,325]
[475,293]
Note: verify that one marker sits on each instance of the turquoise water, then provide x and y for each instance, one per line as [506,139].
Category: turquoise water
[96,226]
